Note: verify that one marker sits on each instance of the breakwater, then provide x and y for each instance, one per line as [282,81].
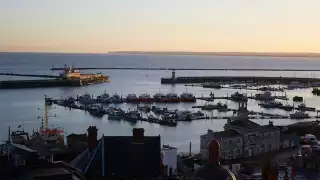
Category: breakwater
[184,69]
[231,79]
[29,75]
[38,83]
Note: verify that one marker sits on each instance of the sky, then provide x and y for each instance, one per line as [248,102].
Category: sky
[100,26]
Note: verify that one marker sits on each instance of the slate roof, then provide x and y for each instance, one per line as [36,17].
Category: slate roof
[121,157]
[226,134]
[244,124]
[269,128]
[125,158]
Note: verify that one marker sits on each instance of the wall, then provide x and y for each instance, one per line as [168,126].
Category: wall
[232,148]
[170,160]
[258,143]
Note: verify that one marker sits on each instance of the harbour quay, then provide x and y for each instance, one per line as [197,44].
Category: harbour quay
[230,79]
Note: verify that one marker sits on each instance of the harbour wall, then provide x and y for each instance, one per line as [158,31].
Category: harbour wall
[38,83]
[227,79]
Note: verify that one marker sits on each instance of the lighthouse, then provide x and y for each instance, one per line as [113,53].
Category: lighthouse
[173,74]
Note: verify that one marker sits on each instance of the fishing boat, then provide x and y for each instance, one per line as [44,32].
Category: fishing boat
[266,96]
[286,107]
[116,115]
[144,107]
[158,110]
[187,97]
[296,85]
[271,104]
[104,98]
[159,97]
[132,116]
[132,98]
[145,98]
[168,122]
[116,99]
[183,115]
[297,99]
[303,107]
[238,97]
[211,85]
[172,97]
[219,105]
[152,118]
[96,110]
[86,99]
[299,115]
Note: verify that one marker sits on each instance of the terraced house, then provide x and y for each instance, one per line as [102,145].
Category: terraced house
[244,138]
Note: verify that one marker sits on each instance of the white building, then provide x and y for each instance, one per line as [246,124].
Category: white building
[169,159]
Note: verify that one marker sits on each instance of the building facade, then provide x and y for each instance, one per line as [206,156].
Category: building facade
[169,160]
[243,138]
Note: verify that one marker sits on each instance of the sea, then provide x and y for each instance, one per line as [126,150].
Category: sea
[24,107]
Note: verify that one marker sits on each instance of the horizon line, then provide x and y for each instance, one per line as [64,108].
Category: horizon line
[208,53]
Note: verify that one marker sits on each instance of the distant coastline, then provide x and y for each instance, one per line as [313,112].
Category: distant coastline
[265,54]
[262,54]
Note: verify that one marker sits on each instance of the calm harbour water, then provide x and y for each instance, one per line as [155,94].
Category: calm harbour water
[21,105]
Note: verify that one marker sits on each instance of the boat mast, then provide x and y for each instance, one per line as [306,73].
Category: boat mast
[45,117]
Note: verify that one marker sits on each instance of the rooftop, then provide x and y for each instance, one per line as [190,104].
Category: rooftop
[226,133]
[244,124]
[165,147]
[268,128]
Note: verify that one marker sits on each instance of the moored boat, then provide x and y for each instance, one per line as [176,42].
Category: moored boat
[299,115]
[132,98]
[286,107]
[132,116]
[96,110]
[104,98]
[145,98]
[211,85]
[116,115]
[86,99]
[238,97]
[144,107]
[303,107]
[271,104]
[152,118]
[219,105]
[187,97]
[116,99]
[172,97]
[159,97]
[168,122]
[266,96]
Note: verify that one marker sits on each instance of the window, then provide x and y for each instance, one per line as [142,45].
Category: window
[230,154]
[262,150]
[238,140]
[238,152]
[270,147]
[290,143]
[224,154]
[230,141]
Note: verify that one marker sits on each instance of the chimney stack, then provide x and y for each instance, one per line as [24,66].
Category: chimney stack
[138,135]
[214,152]
[92,137]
